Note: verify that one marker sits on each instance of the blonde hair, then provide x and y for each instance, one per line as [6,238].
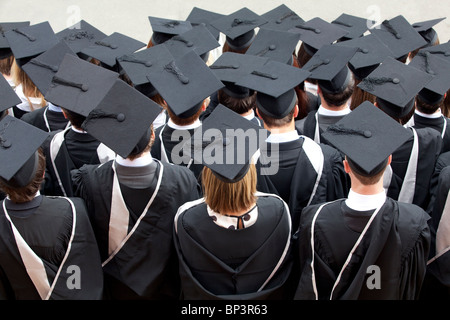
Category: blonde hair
[224,197]
[29,89]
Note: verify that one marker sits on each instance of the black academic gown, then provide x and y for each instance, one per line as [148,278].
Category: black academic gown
[218,263]
[46,119]
[414,186]
[58,232]
[308,173]
[396,242]
[168,140]
[441,124]
[69,150]
[144,266]
[437,280]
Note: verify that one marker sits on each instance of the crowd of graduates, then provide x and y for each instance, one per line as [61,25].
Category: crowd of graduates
[106,161]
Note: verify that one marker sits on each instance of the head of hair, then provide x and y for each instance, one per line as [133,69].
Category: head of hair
[74,118]
[427,108]
[227,48]
[133,155]
[403,119]
[359,96]
[184,121]
[277,123]
[224,197]
[445,109]
[340,98]
[6,65]
[28,192]
[238,105]
[29,89]
[364,178]
[436,42]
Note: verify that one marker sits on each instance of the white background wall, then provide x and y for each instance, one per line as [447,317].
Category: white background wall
[130,17]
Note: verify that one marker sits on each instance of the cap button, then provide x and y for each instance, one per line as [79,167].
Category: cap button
[396,80]
[148,64]
[317,31]
[84,87]
[189,44]
[367,134]
[235,66]
[203,24]
[447,54]
[113,46]
[278,21]
[272,47]
[120,117]
[365,51]
[6,144]
[326,61]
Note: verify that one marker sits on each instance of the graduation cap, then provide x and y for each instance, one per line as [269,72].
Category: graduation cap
[164,29]
[239,27]
[367,136]
[185,83]
[28,42]
[42,68]
[79,85]
[81,35]
[139,64]
[329,66]
[230,67]
[370,53]
[355,26]
[199,16]
[274,44]
[112,47]
[317,32]
[8,97]
[395,85]
[281,18]
[19,142]
[275,83]
[399,36]
[5,49]
[228,154]
[122,119]
[439,68]
[441,50]
[198,39]
[425,29]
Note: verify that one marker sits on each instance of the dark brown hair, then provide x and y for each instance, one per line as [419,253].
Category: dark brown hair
[6,65]
[237,105]
[184,121]
[359,96]
[338,99]
[276,123]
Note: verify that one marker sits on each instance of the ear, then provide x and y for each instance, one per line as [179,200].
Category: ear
[204,104]
[64,113]
[257,113]
[389,160]
[346,166]
[296,111]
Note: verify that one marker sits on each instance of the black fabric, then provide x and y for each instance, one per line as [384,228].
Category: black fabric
[397,242]
[437,124]
[146,266]
[56,120]
[206,250]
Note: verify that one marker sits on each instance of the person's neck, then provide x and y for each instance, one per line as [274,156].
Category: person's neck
[334,108]
[248,113]
[363,189]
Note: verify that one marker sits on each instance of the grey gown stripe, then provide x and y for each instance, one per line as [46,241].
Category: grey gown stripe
[409,182]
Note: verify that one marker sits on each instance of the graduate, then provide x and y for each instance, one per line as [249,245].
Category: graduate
[367,246]
[430,100]
[395,85]
[77,89]
[48,247]
[163,29]
[132,199]
[41,70]
[334,87]
[185,84]
[294,167]
[428,33]
[234,243]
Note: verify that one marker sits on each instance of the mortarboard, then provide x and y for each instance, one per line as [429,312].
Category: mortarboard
[276,45]
[281,18]
[229,151]
[199,16]
[80,36]
[185,83]
[317,32]
[425,29]
[275,83]
[139,64]
[399,36]
[355,26]
[230,67]
[329,66]
[8,97]
[395,85]
[42,68]
[164,29]
[28,42]
[371,52]
[239,27]
[198,39]
[367,136]
[19,142]
[112,47]
[441,50]
[79,85]
[5,49]
[122,119]
[439,68]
